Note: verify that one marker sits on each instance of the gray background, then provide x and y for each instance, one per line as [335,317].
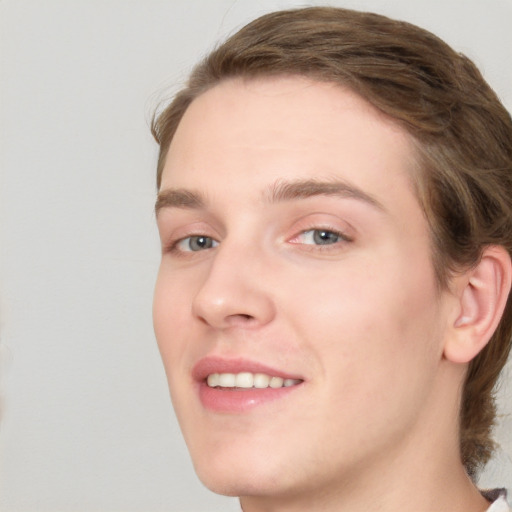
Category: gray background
[86,420]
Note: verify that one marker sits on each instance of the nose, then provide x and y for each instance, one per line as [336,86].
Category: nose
[234,292]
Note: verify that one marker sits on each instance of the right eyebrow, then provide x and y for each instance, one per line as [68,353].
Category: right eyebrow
[178,198]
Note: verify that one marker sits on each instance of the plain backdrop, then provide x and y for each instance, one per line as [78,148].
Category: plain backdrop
[86,419]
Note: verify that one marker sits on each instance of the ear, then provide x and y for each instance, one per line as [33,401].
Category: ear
[482,293]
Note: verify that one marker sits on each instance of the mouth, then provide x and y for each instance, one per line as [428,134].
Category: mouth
[248,380]
[236,386]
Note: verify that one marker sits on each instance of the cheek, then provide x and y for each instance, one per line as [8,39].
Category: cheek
[170,318]
[171,321]
[374,348]
[365,325]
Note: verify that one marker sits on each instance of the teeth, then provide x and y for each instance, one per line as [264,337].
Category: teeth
[227,380]
[248,380]
[261,380]
[276,382]
[213,380]
[244,380]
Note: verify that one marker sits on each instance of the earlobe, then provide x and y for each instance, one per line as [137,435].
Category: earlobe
[482,296]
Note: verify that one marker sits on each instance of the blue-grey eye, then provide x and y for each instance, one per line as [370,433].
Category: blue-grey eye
[320,237]
[196,243]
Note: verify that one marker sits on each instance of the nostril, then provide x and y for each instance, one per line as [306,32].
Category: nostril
[240,319]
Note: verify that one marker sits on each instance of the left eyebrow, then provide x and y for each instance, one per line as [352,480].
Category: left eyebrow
[302,189]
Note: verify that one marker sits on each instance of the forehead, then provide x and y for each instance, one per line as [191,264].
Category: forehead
[249,131]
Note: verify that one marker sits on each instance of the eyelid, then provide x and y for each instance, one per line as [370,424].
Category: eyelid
[335,231]
[173,247]
[181,241]
[323,221]
[176,231]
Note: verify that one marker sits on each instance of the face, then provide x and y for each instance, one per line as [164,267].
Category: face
[296,308]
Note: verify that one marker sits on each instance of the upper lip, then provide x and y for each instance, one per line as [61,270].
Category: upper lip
[214,364]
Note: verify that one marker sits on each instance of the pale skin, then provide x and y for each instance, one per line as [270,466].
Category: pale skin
[292,237]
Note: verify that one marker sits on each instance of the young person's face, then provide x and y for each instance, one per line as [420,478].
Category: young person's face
[294,247]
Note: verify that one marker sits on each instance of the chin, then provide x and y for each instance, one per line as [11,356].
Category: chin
[236,482]
[242,474]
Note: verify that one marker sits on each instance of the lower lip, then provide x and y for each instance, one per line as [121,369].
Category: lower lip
[240,400]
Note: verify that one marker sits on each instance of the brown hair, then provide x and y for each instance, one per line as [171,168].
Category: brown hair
[462,132]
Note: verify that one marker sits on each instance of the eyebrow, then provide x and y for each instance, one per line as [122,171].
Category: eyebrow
[279,191]
[179,198]
[302,189]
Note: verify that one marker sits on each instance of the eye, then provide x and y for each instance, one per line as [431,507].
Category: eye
[195,243]
[320,237]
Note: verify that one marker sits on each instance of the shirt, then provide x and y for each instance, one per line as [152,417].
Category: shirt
[500,505]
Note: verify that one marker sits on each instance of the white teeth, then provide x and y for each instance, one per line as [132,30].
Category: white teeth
[227,380]
[276,382]
[248,380]
[244,380]
[261,380]
[213,380]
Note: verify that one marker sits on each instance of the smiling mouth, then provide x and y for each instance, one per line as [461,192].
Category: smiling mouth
[248,380]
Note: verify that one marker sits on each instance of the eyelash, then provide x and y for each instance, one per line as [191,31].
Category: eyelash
[174,249]
[342,237]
